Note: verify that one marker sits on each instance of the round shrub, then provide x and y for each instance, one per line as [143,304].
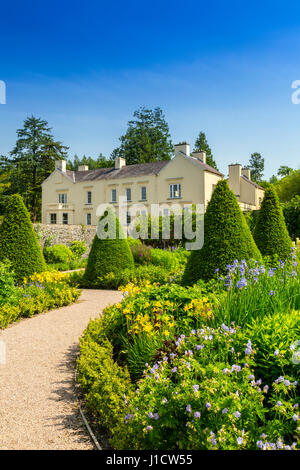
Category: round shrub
[78,248]
[270,233]
[18,240]
[226,237]
[109,255]
[57,254]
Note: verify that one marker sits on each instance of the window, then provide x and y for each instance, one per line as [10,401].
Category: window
[166,212]
[113,195]
[65,219]
[175,191]
[128,218]
[128,194]
[143,193]
[88,219]
[89,197]
[53,219]
[62,198]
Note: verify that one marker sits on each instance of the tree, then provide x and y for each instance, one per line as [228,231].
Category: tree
[108,255]
[291,212]
[270,233]
[257,166]
[18,240]
[100,162]
[147,138]
[289,186]
[32,161]
[226,237]
[284,171]
[201,145]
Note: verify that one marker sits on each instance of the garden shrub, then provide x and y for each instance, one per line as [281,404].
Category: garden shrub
[141,253]
[291,212]
[78,248]
[8,289]
[133,241]
[204,395]
[270,233]
[105,384]
[253,291]
[110,255]
[18,240]
[226,237]
[58,254]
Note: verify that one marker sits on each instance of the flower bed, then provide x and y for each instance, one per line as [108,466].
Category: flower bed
[200,367]
[40,293]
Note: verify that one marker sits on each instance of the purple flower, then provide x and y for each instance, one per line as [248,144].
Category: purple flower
[208,405]
[189,408]
[278,403]
[197,414]
[174,369]
[276,352]
[149,428]
[156,416]
[295,417]
[237,414]
[195,387]
[224,411]
[239,440]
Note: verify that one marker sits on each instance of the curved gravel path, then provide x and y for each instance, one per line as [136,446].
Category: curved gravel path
[38,404]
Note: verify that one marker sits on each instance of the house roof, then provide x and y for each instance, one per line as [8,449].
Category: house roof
[140,169]
[252,182]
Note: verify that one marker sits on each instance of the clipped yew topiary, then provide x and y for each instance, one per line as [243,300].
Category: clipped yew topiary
[270,232]
[226,237]
[18,240]
[107,255]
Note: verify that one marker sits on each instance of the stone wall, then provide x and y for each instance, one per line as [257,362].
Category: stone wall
[65,234]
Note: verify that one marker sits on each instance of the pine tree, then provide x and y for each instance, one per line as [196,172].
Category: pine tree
[226,237]
[257,166]
[201,145]
[18,240]
[110,255]
[270,233]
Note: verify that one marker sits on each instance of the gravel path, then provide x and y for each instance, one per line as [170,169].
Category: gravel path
[38,405]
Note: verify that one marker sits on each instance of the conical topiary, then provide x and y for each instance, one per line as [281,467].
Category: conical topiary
[226,237]
[270,232]
[110,255]
[18,240]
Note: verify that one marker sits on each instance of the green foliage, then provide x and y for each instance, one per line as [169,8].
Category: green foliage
[78,248]
[251,218]
[291,212]
[133,241]
[256,165]
[111,255]
[141,253]
[254,291]
[31,162]
[289,186]
[102,380]
[58,254]
[8,291]
[18,240]
[147,138]
[270,233]
[273,342]
[100,162]
[202,145]
[36,297]
[226,237]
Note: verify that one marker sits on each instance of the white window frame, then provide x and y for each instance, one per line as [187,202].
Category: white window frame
[89,197]
[128,192]
[175,191]
[53,214]
[113,191]
[88,218]
[62,198]
[144,188]
[65,223]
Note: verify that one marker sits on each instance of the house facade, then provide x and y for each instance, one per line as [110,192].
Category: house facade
[72,197]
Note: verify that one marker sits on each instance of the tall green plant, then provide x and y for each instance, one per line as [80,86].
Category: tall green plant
[226,237]
[18,240]
[270,233]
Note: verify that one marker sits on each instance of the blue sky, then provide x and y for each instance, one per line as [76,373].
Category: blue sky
[225,67]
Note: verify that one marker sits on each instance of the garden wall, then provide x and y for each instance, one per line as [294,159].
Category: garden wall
[65,234]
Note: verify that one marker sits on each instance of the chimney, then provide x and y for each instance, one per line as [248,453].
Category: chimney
[61,165]
[83,168]
[119,163]
[182,147]
[246,172]
[234,180]
[200,155]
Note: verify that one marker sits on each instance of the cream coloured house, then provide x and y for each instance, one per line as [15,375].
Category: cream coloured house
[72,197]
